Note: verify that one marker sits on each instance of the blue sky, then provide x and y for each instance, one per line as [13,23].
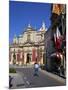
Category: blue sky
[22,13]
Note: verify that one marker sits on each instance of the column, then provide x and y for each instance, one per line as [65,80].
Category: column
[41,60]
[16,59]
[25,58]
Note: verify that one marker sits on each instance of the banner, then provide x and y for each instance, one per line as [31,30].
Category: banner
[58,39]
[57,8]
[34,54]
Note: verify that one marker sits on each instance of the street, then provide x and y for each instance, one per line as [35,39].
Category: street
[30,81]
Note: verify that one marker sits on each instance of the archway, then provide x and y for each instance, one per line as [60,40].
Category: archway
[28,58]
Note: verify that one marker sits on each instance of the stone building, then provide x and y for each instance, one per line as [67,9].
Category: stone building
[56,50]
[28,47]
[49,49]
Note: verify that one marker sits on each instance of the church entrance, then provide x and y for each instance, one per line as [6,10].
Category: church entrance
[28,58]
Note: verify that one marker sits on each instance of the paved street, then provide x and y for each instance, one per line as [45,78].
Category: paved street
[43,80]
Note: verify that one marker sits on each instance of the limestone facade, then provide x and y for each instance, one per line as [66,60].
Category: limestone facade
[28,47]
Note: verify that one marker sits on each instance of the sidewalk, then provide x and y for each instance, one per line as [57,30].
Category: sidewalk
[54,76]
[19,66]
[17,81]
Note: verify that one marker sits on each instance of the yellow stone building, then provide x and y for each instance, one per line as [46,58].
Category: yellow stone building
[28,47]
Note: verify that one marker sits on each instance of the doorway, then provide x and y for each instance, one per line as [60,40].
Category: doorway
[28,58]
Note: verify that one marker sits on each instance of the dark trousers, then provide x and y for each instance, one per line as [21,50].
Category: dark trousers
[36,71]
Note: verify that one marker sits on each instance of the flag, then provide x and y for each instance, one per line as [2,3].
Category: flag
[58,34]
[58,39]
[57,8]
[33,54]
[55,38]
[37,55]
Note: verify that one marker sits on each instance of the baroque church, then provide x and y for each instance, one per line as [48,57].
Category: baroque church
[28,47]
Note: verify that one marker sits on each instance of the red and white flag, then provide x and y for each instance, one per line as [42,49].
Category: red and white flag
[58,39]
[34,54]
[55,38]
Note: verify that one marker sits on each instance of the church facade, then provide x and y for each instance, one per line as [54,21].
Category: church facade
[28,47]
